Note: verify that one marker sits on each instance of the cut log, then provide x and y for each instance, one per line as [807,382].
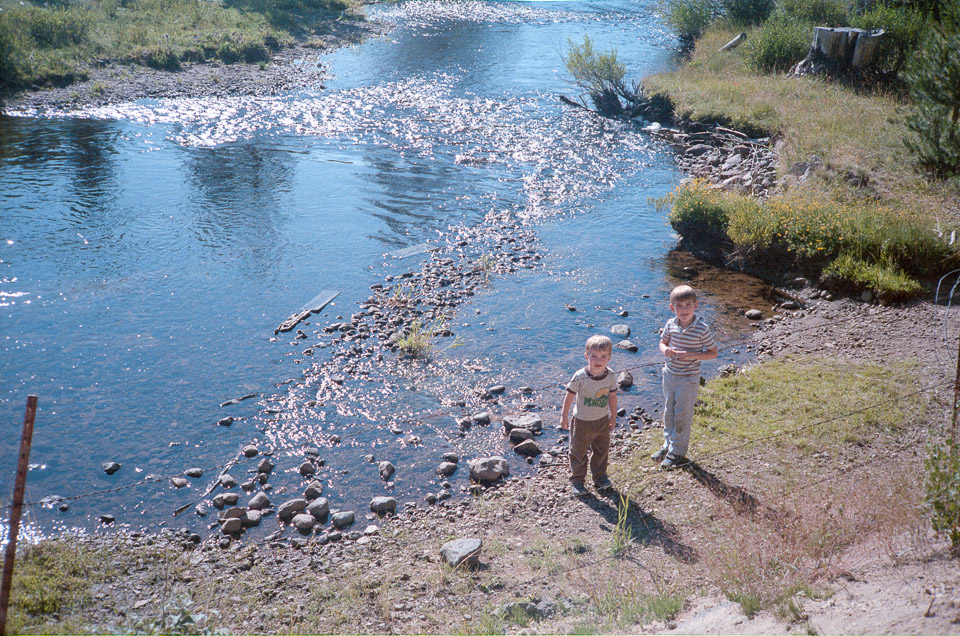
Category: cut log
[734,43]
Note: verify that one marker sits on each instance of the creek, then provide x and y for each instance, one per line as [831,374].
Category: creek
[149,250]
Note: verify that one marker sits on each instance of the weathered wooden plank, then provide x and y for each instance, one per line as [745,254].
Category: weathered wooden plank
[315,305]
[414,249]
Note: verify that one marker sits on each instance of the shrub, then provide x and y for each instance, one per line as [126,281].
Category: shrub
[689,18]
[10,72]
[746,12]
[934,81]
[593,71]
[886,280]
[902,26]
[943,489]
[161,58]
[699,213]
[815,12]
[780,43]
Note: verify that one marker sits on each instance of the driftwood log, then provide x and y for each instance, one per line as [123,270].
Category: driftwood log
[839,50]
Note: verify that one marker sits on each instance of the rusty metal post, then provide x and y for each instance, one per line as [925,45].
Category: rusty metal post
[18,488]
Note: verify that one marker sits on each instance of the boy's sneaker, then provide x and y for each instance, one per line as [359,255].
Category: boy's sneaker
[579,489]
[659,455]
[673,461]
[603,483]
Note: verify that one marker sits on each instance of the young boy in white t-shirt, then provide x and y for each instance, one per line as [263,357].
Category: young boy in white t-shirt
[593,394]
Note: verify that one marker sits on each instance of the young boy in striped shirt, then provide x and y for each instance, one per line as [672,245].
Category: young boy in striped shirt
[685,341]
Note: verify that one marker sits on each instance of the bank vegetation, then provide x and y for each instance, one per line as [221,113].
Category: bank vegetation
[49,44]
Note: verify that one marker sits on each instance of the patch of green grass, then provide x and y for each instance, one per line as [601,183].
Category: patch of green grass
[417,341]
[794,403]
[629,604]
[885,280]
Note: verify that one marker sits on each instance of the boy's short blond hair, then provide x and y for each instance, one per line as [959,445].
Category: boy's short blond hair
[599,343]
[681,293]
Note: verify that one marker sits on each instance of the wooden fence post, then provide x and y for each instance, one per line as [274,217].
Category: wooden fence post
[18,489]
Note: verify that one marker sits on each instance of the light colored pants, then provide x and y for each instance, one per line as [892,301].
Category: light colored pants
[589,435]
[680,395]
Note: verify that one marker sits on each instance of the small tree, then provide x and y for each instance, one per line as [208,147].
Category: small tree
[934,81]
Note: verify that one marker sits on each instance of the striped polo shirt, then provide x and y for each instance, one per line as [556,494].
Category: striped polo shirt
[696,337]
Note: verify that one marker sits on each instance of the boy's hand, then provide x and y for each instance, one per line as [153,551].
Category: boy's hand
[564,424]
[613,422]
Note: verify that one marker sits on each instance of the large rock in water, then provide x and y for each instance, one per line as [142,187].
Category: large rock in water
[304,522]
[386,470]
[528,448]
[462,551]
[528,421]
[259,501]
[319,508]
[383,504]
[288,509]
[487,469]
[343,519]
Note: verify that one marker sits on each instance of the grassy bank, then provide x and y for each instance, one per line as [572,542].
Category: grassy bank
[868,219]
[53,44]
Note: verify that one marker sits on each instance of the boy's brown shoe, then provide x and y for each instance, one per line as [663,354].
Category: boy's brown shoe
[579,489]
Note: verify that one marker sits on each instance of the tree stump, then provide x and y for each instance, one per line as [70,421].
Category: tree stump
[840,50]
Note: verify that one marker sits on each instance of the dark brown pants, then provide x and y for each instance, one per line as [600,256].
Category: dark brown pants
[593,436]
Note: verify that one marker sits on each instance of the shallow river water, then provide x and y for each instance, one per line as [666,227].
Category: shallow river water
[149,250]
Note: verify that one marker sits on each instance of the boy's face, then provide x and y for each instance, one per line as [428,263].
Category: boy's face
[684,309]
[597,360]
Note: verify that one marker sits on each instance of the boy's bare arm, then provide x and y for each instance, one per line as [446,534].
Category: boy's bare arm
[613,410]
[565,411]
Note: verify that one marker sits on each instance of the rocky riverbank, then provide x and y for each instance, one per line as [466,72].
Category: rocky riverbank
[293,68]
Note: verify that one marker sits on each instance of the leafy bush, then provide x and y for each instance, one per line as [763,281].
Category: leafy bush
[902,26]
[591,70]
[780,43]
[699,213]
[943,489]
[10,72]
[747,12]
[886,280]
[815,12]
[934,80]
[689,18]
